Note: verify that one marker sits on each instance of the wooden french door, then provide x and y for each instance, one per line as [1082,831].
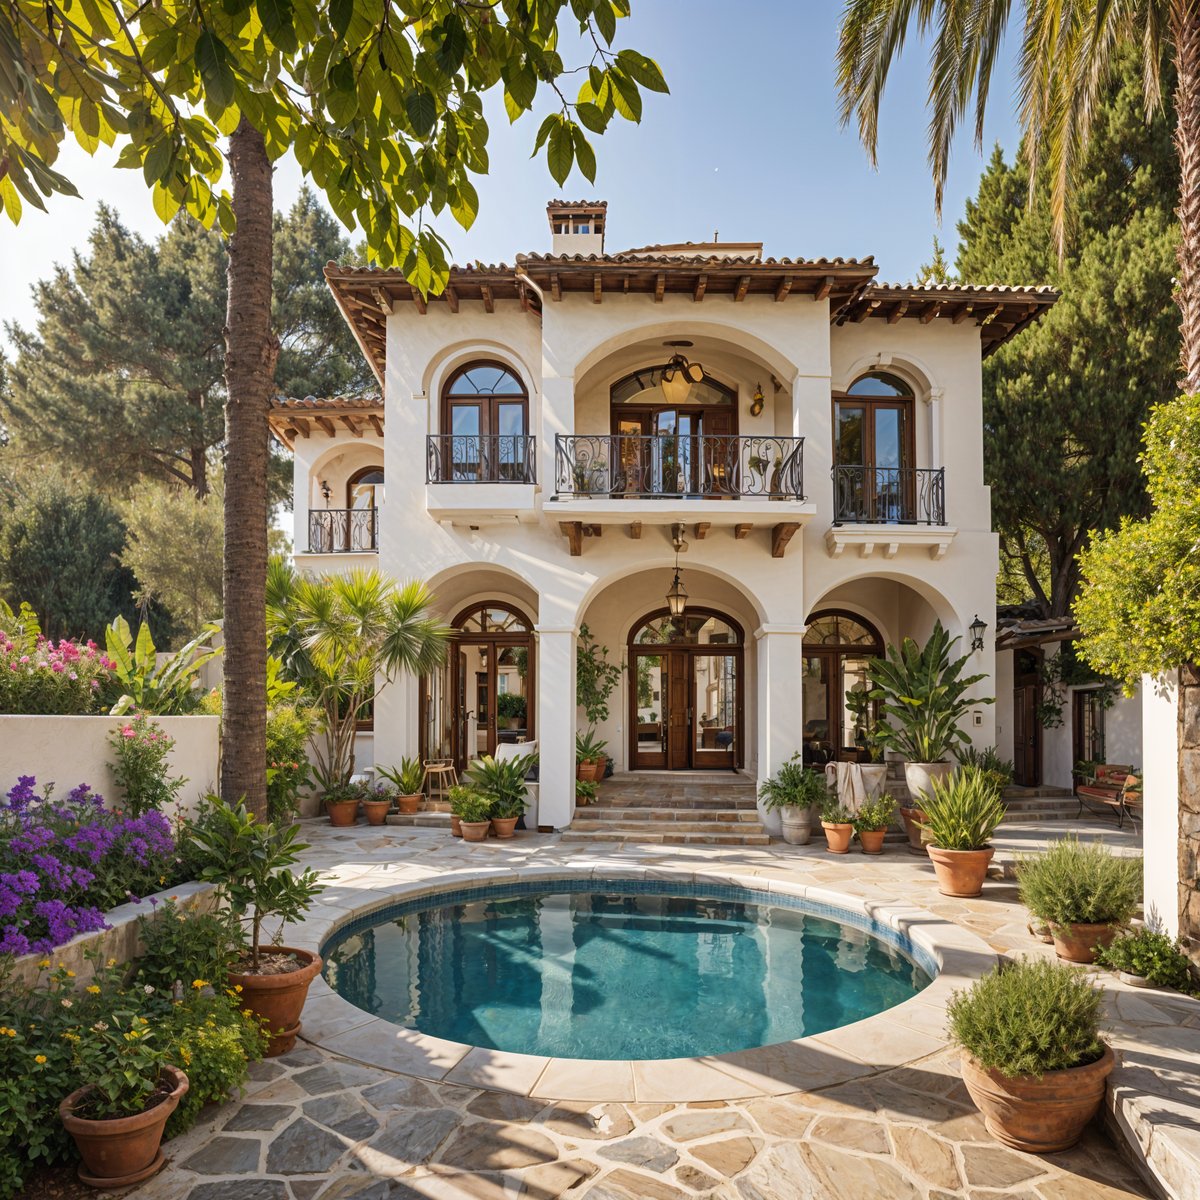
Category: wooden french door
[698,719]
[873,444]
[672,451]
[1027,728]
[492,700]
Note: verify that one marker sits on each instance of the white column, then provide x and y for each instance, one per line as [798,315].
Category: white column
[557,415]
[936,396]
[780,701]
[1160,802]
[556,724]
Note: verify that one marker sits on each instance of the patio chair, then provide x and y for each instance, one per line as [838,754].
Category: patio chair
[1116,788]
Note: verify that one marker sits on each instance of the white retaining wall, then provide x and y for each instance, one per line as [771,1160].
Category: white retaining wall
[1160,833]
[67,751]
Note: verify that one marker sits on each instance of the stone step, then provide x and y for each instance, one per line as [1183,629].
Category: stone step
[667,839]
[584,825]
[667,801]
[599,812]
[421,820]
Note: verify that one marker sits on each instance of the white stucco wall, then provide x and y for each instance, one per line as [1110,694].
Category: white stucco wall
[68,751]
[1160,833]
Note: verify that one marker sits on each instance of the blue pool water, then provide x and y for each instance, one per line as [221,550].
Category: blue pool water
[565,970]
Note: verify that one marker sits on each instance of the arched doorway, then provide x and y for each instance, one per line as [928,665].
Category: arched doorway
[838,647]
[685,694]
[483,696]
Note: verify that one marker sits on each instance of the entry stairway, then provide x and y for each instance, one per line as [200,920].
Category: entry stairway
[672,808]
[1039,804]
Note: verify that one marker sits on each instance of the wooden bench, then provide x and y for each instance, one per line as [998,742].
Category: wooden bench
[1116,787]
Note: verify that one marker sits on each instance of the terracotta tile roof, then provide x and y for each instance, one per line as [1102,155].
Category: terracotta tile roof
[637,258]
[577,204]
[325,403]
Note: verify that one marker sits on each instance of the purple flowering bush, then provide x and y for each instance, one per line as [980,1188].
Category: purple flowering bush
[64,862]
[38,676]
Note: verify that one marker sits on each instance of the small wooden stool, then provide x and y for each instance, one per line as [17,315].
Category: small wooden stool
[441,776]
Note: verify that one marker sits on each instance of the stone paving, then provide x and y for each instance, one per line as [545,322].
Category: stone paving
[313,1126]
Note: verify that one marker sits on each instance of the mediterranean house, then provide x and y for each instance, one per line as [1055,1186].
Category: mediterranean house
[744,476]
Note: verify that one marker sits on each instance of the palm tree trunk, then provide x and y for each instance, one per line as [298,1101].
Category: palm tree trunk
[1185,36]
[250,353]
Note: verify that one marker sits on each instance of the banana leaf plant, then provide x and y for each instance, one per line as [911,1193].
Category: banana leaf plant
[922,698]
[145,684]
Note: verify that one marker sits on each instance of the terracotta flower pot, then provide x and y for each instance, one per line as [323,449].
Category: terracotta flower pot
[121,1151]
[410,804]
[342,812]
[872,840]
[916,840]
[279,999]
[960,872]
[503,827]
[455,826]
[591,769]
[1077,942]
[475,831]
[376,811]
[837,837]
[1039,1116]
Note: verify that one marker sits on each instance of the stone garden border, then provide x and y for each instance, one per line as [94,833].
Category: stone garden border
[905,1033]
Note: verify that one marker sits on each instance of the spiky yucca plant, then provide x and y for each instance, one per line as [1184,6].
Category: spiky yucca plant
[963,811]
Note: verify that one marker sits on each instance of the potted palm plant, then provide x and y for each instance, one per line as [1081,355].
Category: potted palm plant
[252,864]
[961,814]
[502,783]
[922,697]
[1032,1059]
[1083,893]
[409,777]
[871,823]
[792,791]
[474,813]
[838,823]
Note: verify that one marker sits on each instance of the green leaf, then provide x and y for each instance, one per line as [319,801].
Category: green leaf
[277,18]
[644,70]
[585,156]
[453,45]
[340,12]
[422,111]
[625,95]
[521,83]
[165,205]
[212,61]
[560,153]
[466,205]
[544,131]
[591,116]
[606,21]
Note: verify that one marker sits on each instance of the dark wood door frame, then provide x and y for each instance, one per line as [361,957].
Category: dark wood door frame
[1027,726]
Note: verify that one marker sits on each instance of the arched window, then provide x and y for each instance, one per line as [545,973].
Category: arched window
[694,628]
[838,648]
[364,489]
[491,619]
[485,423]
[874,450]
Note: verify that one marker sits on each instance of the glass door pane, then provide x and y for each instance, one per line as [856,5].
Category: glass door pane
[849,456]
[714,705]
[815,690]
[631,455]
[510,442]
[512,694]
[887,461]
[649,743]
[666,453]
[852,736]
[465,428]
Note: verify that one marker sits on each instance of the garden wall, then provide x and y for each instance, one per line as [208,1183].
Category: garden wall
[119,941]
[68,751]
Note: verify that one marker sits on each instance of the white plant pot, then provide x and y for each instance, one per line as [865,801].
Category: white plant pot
[531,809]
[874,776]
[796,824]
[920,776]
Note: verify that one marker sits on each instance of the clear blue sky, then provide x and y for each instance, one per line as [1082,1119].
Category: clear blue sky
[747,143]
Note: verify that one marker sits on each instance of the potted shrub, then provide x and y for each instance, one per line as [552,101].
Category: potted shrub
[1083,893]
[1032,1059]
[585,791]
[510,710]
[961,814]
[922,698]
[378,803]
[838,823]
[252,862]
[501,781]
[871,823]
[998,770]
[590,759]
[341,803]
[457,796]
[474,816]
[1146,958]
[792,791]
[595,680]
[117,1118]
[867,737]
[409,778]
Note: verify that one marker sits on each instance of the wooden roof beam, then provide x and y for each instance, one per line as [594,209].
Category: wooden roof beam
[351,423]
[782,288]
[743,285]
[660,286]
[863,311]
[302,425]
[781,535]
[931,311]
[555,286]
[451,298]
[961,314]
[988,314]
[419,300]
[824,288]
[897,312]
[383,299]
[485,292]
[327,425]
[698,290]
[598,288]
[376,423]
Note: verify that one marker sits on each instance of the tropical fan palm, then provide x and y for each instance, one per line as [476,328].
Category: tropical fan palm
[1067,54]
[346,636]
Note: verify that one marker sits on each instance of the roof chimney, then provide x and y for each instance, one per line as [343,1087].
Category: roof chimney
[577,226]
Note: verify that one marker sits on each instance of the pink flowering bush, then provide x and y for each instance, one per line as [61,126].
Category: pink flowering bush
[38,676]
[142,749]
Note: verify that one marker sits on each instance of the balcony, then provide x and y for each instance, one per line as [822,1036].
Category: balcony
[473,479]
[707,480]
[343,531]
[886,508]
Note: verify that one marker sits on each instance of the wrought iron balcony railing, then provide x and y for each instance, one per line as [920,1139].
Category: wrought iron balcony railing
[654,466]
[480,458]
[343,530]
[889,495]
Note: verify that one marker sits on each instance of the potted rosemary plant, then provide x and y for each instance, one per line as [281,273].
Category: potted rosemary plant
[792,791]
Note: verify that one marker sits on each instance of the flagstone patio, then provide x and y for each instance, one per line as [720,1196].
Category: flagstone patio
[316,1125]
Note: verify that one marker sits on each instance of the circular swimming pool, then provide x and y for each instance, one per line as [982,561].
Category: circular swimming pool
[623,970]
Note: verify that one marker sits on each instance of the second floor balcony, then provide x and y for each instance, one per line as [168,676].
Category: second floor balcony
[868,495]
[480,458]
[343,530]
[678,467]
